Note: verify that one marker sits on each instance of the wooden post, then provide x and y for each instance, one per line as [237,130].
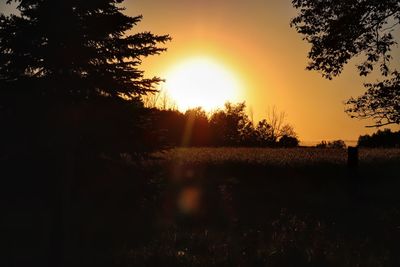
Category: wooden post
[352,157]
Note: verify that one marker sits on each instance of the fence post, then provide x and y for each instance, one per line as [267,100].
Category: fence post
[352,157]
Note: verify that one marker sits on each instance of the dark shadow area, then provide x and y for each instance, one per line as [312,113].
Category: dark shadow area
[119,213]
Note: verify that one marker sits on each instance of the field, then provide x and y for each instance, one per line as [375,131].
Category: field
[217,207]
[276,207]
[290,157]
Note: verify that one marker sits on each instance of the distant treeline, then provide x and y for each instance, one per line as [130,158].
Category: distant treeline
[382,138]
[230,126]
[338,144]
[385,138]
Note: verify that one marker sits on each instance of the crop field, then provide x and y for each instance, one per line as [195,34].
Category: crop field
[220,207]
[275,207]
[289,157]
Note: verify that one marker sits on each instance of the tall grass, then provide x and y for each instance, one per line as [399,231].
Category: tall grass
[279,157]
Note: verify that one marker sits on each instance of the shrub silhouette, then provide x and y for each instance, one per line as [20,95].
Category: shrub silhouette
[338,144]
[385,138]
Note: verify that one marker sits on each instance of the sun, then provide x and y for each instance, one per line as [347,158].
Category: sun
[201,82]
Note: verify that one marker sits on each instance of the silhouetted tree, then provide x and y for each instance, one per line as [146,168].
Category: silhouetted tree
[170,124]
[74,57]
[75,48]
[338,144]
[71,112]
[277,125]
[288,141]
[340,30]
[227,125]
[322,144]
[197,130]
[230,126]
[248,134]
[288,131]
[265,136]
[385,138]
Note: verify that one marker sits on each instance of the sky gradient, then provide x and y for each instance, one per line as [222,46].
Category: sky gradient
[254,41]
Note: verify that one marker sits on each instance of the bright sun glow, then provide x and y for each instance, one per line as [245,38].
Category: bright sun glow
[202,83]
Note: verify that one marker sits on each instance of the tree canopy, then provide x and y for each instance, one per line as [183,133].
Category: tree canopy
[341,30]
[67,69]
[230,126]
[76,48]
[385,138]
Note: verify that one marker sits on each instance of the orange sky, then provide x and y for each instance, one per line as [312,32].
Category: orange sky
[254,40]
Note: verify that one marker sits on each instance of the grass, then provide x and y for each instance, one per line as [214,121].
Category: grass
[279,157]
[210,207]
[276,207]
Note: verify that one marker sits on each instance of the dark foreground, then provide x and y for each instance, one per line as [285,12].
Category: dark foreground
[212,207]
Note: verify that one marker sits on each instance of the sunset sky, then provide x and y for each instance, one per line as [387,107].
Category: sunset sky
[252,41]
